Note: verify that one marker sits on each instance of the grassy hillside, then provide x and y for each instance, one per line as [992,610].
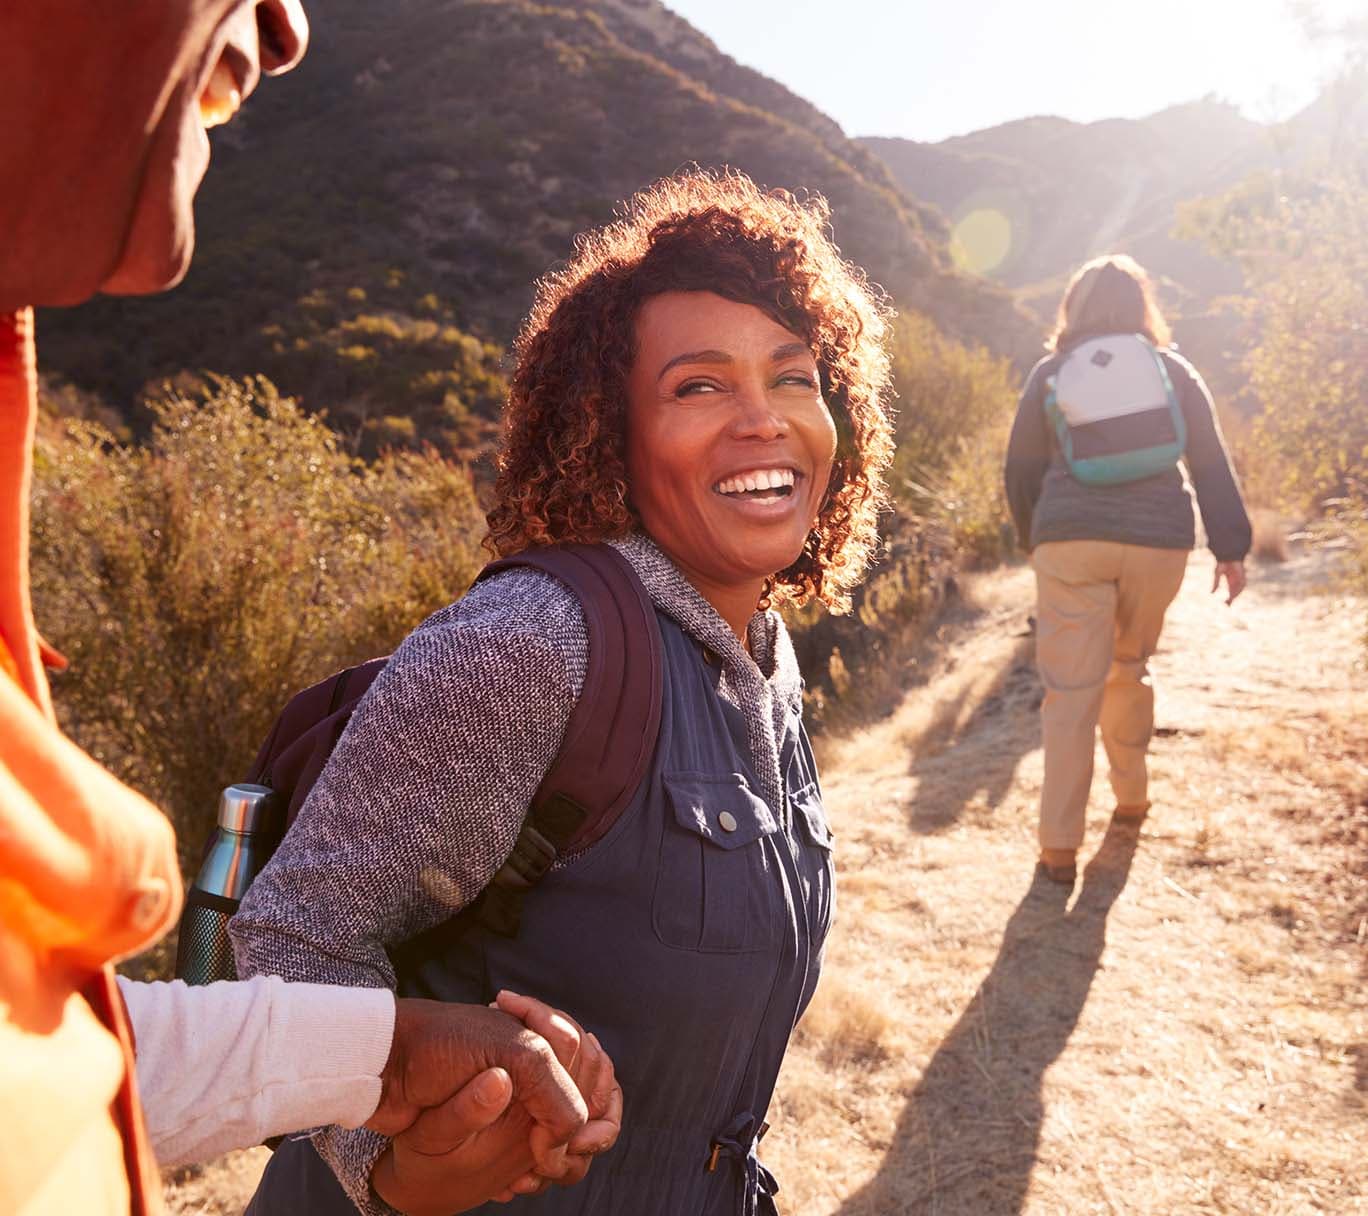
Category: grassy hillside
[432,157]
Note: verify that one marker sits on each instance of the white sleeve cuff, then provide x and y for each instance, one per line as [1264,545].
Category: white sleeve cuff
[329,1046]
[228,1065]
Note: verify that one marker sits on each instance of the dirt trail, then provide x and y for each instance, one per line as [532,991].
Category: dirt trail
[1186,1033]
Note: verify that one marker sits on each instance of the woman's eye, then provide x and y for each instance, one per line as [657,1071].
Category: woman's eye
[696,386]
[799,378]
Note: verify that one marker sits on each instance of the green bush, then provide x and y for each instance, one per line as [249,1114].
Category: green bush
[1302,243]
[955,405]
[238,555]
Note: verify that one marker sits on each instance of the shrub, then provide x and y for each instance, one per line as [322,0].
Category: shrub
[1302,242]
[1269,536]
[198,580]
[947,393]
[955,408]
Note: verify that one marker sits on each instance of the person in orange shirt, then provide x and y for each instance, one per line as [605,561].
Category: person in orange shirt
[103,112]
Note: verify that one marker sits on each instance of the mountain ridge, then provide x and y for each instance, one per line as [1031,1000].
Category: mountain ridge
[430,161]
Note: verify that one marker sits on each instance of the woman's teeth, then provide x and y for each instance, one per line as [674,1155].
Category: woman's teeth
[769,483]
[221,97]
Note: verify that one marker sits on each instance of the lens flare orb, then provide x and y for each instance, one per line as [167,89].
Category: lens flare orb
[981,240]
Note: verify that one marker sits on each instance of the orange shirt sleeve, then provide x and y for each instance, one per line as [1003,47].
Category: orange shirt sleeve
[88,874]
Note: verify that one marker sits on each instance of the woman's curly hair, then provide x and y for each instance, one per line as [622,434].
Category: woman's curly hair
[562,470]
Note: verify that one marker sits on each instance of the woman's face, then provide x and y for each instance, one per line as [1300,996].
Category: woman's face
[729,441]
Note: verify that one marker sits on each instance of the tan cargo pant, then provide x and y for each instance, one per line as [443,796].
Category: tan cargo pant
[1100,607]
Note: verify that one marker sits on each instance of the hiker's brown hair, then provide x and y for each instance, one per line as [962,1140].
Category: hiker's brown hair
[562,469]
[1109,295]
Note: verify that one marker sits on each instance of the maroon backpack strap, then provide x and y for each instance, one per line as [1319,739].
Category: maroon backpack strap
[606,749]
[611,735]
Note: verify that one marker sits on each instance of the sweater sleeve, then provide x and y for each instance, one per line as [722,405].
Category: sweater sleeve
[419,804]
[1028,454]
[1208,462]
[277,1057]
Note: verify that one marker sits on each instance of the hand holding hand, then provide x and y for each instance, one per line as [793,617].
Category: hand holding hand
[593,1072]
[446,1093]
[1234,575]
[460,1154]
[488,1141]
[439,1047]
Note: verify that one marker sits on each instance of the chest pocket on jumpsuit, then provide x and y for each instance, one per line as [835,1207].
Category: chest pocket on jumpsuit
[718,886]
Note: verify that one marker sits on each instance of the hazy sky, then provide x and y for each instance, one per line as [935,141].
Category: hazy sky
[926,69]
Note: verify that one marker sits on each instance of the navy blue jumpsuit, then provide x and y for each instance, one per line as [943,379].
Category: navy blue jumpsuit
[689,940]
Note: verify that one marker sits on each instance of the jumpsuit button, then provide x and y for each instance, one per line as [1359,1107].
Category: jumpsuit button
[727,821]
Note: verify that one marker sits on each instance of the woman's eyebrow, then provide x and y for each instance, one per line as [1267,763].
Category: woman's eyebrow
[788,351]
[697,356]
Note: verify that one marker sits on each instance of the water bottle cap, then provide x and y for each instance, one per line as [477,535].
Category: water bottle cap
[247,808]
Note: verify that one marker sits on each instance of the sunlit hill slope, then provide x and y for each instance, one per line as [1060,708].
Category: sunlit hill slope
[432,157]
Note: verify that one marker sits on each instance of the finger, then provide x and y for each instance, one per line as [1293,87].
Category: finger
[565,1035]
[599,1135]
[1215,579]
[529,1184]
[575,1171]
[547,1088]
[593,1073]
[471,1109]
[511,1191]
[549,1150]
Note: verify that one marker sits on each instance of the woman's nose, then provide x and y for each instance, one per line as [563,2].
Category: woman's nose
[757,417]
[283,34]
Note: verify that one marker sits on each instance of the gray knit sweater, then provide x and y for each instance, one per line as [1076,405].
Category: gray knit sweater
[422,799]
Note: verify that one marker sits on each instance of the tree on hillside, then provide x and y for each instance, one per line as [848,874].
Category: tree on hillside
[1301,238]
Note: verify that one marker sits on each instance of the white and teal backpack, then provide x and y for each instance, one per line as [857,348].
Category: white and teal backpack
[1115,412]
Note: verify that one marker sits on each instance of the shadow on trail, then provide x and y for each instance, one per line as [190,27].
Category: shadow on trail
[967,1141]
[960,765]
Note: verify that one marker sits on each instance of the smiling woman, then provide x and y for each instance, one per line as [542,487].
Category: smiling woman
[713,307]
[701,388]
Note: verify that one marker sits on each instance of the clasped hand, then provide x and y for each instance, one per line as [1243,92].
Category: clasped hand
[537,1099]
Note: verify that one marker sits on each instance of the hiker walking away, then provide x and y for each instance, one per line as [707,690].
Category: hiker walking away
[700,391]
[101,151]
[1095,483]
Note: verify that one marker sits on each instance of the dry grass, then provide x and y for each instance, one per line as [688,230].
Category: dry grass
[221,1188]
[1185,1034]
[1270,541]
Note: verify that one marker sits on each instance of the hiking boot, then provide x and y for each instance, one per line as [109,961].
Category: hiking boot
[1133,812]
[1059,865]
